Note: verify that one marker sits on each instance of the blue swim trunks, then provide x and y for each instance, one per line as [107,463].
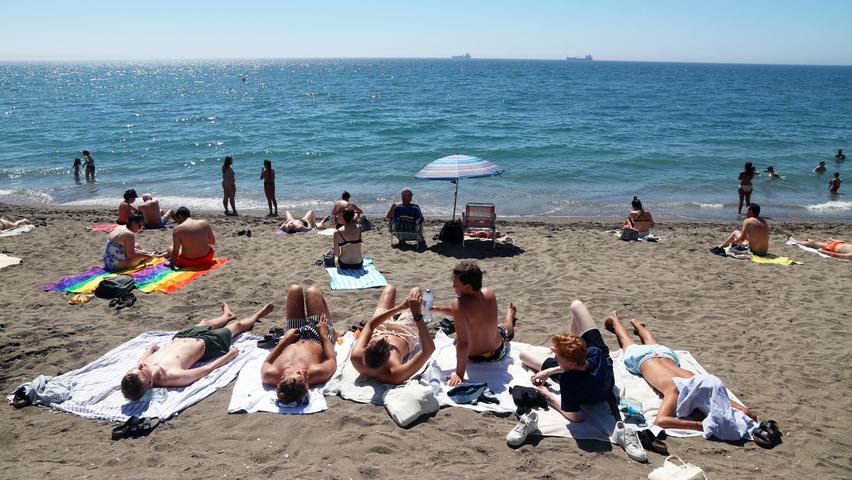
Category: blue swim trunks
[635,355]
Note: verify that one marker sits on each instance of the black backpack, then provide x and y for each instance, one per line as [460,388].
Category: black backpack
[452,232]
[526,398]
[114,287]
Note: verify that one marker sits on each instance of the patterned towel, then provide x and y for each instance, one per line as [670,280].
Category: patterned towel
[364,277]
[152,275]
[96,388]
[103,227]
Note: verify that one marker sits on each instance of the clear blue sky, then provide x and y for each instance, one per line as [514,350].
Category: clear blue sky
[743,31]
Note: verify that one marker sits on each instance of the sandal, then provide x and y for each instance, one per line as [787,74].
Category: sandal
[767,434]
[447,326]
[135,427]
[20,399]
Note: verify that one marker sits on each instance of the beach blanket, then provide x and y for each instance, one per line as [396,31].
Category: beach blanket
[326,232]
[102,227]
[365,277]
[152,275]
[11,232]
[96,391]
[351,385]
[251,395]
[282,232]
[793,243]
[768,258]
[6,260]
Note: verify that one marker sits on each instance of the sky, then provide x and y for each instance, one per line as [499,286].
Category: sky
[723,31]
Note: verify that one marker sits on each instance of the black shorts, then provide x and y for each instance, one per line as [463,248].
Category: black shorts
[592,338]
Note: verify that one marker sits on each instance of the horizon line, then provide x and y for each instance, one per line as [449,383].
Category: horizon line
[248,59]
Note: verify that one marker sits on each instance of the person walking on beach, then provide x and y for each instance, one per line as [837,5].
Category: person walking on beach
[229,185]
[267,174]
[753,235]
[89,163]
[76,168]
[834,184]
[745,185]
[479,335]
[172,365]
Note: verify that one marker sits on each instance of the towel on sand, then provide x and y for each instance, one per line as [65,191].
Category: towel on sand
[251,395]
[793,243]
[96,389]
[6,260]
[152,275]
[732,252]
[364,277]
[11,232]
[282,232]
[103,227]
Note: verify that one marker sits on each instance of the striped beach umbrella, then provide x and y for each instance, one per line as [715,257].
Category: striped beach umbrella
[456,167]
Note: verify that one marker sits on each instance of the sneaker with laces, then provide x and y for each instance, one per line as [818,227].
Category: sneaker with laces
[527,423]
[628,439]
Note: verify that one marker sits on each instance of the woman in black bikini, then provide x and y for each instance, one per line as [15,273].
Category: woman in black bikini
[304,224]
[347,242]
[639,218]
[268,177]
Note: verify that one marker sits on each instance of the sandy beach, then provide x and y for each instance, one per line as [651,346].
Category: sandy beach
[778,336]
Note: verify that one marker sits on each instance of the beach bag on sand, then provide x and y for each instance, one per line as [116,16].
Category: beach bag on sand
[408,403]
[672,471]
[452,232]
[327,259]
[365,224]
[629,233]
[114,287]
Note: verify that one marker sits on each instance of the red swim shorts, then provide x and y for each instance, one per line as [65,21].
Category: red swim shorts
[182,261]
[832,246]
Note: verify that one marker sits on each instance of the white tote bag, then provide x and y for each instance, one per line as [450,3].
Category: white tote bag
[672,471]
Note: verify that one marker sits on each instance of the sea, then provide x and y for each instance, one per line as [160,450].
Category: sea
[576,138]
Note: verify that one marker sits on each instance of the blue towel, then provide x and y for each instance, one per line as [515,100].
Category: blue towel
[365,277]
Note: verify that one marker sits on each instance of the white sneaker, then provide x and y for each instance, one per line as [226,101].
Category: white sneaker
[527,424]
[628,439]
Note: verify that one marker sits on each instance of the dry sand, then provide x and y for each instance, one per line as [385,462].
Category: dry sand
[779,337]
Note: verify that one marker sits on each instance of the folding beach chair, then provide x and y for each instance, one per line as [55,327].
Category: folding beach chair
[407,224]
[480,217]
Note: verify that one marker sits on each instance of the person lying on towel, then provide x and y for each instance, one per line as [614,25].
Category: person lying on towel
[172,365]
[387,347]
[831,247]
[304,356]
[581,364]
[192,241]
[479,335]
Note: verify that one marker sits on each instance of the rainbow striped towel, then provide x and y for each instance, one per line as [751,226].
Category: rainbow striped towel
[153,275]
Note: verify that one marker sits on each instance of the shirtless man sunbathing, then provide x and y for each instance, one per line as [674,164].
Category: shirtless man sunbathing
[831,247]
[171,366]
[387,347]
[154,217]
[754,233]
[305,355]
[192,241]
[658,365]
[479,336]
[304,224]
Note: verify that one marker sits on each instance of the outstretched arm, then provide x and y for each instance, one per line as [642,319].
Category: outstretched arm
[462,344]
[427,345]
[357,355]
[666,418]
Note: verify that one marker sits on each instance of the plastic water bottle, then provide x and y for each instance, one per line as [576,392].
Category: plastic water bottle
[427,306]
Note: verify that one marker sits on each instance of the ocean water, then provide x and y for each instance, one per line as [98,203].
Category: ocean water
[576,138]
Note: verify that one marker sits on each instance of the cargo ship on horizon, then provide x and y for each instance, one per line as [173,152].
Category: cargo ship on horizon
[587,58]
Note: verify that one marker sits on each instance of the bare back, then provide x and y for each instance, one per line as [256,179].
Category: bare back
[151,212]
[194,238]
[756,231]
[476,320]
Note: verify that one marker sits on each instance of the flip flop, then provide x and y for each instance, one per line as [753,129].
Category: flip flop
[135,427]
[447,326]
[123,430]
[20,399]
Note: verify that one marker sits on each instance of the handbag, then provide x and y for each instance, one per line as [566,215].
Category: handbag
[629,231]
[365,224]
[672,471]
[327,260]
[452,232]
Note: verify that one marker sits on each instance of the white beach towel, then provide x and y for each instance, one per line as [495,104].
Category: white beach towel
[17,230]
[793,243]
[96,390]
[365,277]
[6,260]
[326,232]
[250,395]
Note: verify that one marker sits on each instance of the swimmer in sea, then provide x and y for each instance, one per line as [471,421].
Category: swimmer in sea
[820,168]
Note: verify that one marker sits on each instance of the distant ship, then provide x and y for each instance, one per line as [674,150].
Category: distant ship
[587,58]
[466,56]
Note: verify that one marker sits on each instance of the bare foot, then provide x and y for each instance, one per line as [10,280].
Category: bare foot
[511,312]
[636,324]
[610,321]
[226,310]
[266,310]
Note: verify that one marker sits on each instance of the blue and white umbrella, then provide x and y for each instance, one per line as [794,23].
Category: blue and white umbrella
[456,167]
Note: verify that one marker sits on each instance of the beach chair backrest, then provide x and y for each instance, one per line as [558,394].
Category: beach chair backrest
[480,214]
[407,213]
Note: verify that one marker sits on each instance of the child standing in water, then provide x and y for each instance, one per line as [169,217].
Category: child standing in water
[834,184]
[268,177]
[76,167]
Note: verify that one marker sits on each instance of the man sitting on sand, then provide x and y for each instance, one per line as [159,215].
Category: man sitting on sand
[305,355]
[171,365]
[411,209]
[154,217]
[479,336]
[125,209]
[660,367]
[340,206]
[192,241]
[753,236]
[581,364]
[387,347]
[831,247]
[304,224]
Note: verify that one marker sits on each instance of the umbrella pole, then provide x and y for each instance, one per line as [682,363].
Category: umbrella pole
[455,199]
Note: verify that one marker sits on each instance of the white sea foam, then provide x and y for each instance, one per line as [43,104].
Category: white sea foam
[709,205]
[833,205]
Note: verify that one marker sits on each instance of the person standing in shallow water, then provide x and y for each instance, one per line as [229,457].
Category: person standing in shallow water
[229,185]
[745,185]
[89,163]
[268,177]
[76,168]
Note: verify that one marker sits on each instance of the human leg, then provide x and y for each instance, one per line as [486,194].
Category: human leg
[733,236]
[221,320]
[247,324]
[387,300]
[742,196]
[534,359]
[509,321]
[231,196]
[315,303]
[645,335]
[613,324]
[295,302]
[310,219]
[581,319]
[225,200]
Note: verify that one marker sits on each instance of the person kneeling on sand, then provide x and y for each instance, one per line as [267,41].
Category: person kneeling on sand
[305,354]
[154,217]
[304,224]
[831,247]
[192,241]
[170,366]
[479,336]
[121,251]
[660,367]
[387,347]
[754,234]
